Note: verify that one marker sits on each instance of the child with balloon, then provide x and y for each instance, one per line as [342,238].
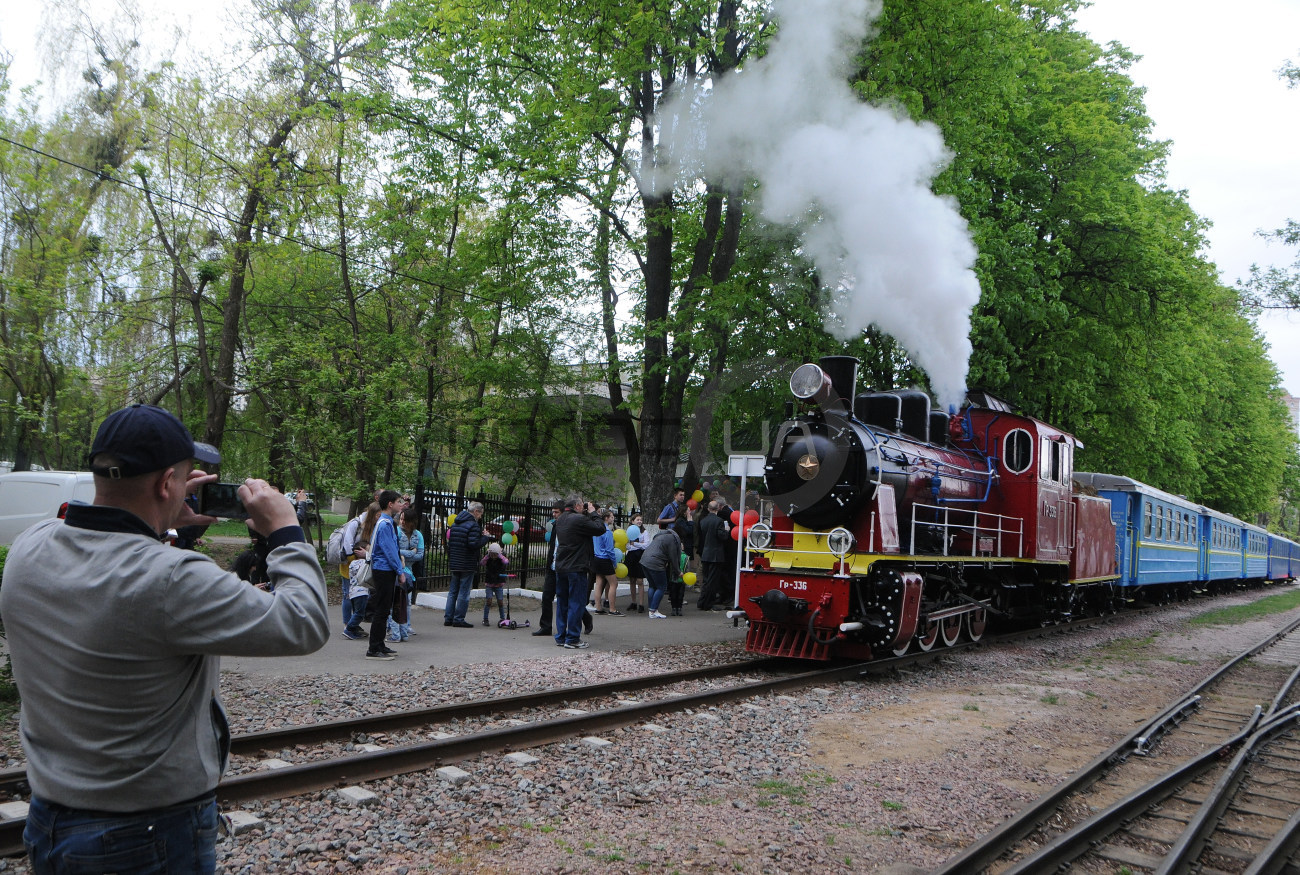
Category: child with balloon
[637,540]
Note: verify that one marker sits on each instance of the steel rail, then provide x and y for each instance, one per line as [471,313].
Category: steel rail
[412,758]
[983,852]
[1188,846]
[1278,853]
[1067,846]
[14,781]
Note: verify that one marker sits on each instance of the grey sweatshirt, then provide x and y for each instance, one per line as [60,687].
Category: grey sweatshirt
[115,639]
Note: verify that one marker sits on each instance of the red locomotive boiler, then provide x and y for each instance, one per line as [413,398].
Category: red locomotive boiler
[890,525]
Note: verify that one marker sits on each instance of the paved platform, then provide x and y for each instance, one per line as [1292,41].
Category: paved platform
[437,645]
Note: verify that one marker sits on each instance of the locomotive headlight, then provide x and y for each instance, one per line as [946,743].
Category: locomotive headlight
[760,536]
[840,541]
[807,381]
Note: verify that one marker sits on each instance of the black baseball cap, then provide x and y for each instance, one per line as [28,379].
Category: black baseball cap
[143,439]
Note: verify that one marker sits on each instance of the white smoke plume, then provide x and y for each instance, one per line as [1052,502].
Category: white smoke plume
[854,178]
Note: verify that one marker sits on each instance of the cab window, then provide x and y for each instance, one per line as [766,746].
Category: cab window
[1017,451]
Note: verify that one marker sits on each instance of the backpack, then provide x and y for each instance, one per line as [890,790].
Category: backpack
[334,546]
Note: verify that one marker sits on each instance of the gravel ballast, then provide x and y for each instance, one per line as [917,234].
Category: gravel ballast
[882,775]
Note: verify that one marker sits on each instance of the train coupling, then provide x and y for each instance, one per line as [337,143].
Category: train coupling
[777,607]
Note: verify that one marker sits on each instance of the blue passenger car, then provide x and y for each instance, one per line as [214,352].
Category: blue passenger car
[1157,534]
[1255,554]
[1221,539]
[1279,557]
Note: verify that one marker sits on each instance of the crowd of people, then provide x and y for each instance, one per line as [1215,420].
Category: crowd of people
[582,567]
[122,723]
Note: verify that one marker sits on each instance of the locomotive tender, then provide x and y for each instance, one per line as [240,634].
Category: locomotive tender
[889,525]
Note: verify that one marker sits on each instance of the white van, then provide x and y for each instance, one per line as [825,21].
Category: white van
[27,497]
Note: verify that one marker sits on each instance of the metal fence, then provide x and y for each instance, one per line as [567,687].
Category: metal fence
[527,554]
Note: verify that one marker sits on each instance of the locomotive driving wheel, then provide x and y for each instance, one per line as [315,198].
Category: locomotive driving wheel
[976,622]
[950,630]
[926,639]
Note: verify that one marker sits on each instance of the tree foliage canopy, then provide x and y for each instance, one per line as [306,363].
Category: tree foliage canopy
[411,242]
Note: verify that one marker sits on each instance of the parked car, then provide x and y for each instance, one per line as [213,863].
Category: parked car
[27,497]
[536,532]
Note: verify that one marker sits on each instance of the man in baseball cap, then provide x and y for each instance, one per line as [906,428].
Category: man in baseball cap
[115,641]
[142,438]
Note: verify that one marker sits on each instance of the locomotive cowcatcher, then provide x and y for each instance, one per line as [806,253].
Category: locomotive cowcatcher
[889,525]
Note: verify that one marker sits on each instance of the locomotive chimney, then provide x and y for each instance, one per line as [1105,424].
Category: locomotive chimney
[843,371]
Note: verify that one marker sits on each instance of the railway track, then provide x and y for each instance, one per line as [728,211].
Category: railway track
[257,783]
[1210,785]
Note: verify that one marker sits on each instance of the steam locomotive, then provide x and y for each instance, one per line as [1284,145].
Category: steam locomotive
[888,525]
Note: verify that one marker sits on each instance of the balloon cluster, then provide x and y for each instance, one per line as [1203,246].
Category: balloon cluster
[508,529]
[694,501]
[740,525]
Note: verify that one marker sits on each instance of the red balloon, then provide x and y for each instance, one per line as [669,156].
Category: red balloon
[751,517]
[692,503]
[735,517]
[735,533]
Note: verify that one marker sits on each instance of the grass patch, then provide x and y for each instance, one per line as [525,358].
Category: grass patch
[970,707]
[1051,699]
[1273,604]
[776,790]
[890,805]
[1129,649]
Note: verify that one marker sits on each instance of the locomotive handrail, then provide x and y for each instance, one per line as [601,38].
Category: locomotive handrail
[973,528]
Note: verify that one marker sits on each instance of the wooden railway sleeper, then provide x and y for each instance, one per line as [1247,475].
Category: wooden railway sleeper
[1195,837]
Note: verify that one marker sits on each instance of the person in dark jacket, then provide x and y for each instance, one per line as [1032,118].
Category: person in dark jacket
[712,539]
[465,543]
[548,584]
[684,526]
[574,553]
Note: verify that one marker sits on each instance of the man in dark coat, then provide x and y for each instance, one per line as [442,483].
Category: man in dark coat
[465,543]
[548,585]
[574,553]
[712,539]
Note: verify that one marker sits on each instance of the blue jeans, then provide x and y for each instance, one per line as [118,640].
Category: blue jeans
[400,631]
[657,581]
[570,604]
[458,596]
[491,592]
[357,611]
[69,841]
[347,602]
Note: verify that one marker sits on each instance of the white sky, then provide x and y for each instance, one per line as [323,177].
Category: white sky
[1212,88]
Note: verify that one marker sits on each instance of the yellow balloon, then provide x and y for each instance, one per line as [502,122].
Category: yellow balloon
[697,495]
[620,570]
[451,519]
[620,537]
[689,578]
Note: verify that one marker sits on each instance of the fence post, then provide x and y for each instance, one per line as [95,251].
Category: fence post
[526,542]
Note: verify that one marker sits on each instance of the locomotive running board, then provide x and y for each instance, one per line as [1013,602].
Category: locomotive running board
[773,639]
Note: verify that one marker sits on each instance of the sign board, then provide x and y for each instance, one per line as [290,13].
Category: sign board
[746,466]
